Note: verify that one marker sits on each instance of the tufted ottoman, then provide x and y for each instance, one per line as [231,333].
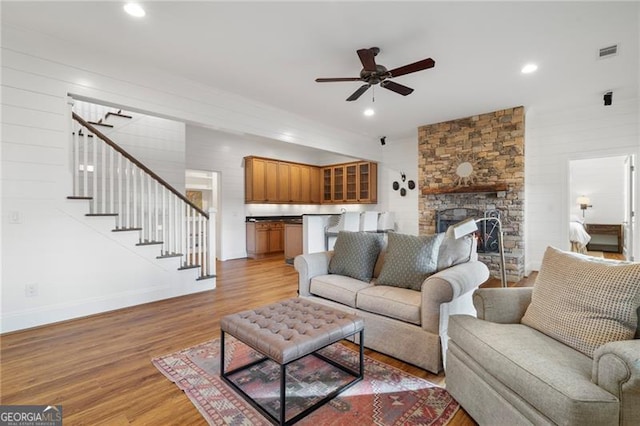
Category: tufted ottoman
[285,332]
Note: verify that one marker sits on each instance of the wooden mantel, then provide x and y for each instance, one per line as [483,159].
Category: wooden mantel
[476,189]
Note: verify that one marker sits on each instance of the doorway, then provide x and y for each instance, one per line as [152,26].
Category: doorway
[601,197]
[202,188]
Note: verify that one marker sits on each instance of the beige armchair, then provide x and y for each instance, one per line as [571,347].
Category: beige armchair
[504,372]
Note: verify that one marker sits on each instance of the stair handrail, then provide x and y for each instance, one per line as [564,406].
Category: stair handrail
[135,161]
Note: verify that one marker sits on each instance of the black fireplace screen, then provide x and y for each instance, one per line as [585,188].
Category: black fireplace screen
[487,230]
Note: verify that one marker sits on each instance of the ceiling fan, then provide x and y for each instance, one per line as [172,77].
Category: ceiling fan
[373,73]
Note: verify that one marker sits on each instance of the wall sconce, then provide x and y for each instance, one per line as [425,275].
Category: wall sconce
[584,203]
[403,177]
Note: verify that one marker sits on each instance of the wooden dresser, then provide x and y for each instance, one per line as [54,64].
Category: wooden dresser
[605,237]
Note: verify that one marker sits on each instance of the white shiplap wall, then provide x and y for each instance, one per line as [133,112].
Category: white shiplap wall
[400,156]
[555,136]
[79,266]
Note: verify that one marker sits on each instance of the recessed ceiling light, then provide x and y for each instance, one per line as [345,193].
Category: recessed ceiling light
[369,112]
[529,68]
[134,9]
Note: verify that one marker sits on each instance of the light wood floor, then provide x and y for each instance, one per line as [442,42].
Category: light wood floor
[99,368]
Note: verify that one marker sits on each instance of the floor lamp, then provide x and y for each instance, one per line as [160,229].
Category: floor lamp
[469,226]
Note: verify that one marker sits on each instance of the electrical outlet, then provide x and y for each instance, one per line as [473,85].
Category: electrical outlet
[31,289]
[15,217]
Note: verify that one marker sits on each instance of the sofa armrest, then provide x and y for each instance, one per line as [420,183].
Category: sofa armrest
[309,266]
[447,285]
[616,369]
[502,305]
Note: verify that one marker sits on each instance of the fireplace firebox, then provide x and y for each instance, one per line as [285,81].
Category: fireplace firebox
[487,230]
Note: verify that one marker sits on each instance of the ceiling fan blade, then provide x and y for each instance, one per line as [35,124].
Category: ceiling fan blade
[330,80]
[367,57]
[395,87]
[358,92]
[416,66]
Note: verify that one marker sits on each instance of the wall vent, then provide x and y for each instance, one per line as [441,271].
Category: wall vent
[607,52]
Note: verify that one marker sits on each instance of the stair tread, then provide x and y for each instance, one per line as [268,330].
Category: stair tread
[95,123]
[189,267]
[77,197]
[126,229]
[150,243]
[167,256]
[117,114]
[101,214]
[206,277]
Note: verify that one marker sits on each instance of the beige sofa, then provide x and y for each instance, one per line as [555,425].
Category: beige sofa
[552,354]
[410,325]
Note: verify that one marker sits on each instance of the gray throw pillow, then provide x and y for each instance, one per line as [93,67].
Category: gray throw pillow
[409,260]
[355,254]
[454,251]
[584,302]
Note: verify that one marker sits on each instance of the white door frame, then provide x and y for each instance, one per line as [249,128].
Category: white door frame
[630,206]
[567,189]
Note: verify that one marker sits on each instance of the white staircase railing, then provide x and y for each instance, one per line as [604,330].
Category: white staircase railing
[119,185]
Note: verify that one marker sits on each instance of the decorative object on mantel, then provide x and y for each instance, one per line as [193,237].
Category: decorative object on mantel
[584,203]
[469,226]
[464,170]
[411,184]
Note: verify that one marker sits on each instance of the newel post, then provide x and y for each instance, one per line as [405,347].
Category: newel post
[212,240]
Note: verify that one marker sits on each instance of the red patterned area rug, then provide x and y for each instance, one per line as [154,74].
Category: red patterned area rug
[386,396]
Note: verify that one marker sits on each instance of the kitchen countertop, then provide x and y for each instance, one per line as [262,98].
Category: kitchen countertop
[285,219]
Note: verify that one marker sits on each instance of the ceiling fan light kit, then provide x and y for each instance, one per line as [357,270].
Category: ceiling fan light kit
[372,74]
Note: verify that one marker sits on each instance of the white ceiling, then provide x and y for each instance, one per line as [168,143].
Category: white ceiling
[272,52]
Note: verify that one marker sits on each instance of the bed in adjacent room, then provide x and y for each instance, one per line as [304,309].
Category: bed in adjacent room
[578,235]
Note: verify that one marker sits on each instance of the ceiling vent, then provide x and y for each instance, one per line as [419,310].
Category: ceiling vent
[608,52]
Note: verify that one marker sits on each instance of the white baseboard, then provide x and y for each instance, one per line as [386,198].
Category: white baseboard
[29,318]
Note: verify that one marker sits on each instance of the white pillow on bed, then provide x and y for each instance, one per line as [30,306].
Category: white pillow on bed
[576,218]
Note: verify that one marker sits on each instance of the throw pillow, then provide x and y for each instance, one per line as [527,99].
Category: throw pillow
[409,260]
[454,251]
[584,302]
[355,254]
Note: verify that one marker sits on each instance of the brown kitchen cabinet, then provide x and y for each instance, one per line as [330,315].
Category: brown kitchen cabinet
[327,185]
[281,182]
[334,184]
[292,240]
[261,180]
[367,182]
[284,182]
[264,238]
[350,183]
[315,186]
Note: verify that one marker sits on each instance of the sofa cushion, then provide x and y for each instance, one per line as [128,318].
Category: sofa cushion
[454,251]
[554,378]
[399,303]
[584,302]
[355,254]
[409,260]
[339,288]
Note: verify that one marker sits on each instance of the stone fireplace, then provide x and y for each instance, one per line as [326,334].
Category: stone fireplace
[472,167]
